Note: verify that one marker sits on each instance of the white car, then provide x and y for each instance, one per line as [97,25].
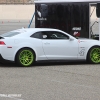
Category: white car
[28,45]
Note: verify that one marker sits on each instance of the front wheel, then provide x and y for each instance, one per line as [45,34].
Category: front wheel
[25,57]
[94,55]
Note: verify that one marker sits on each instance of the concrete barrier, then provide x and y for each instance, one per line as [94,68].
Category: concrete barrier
[16,12]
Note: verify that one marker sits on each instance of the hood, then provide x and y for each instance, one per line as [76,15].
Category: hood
[86,39]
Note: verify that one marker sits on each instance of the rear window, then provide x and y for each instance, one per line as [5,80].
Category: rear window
[9,34]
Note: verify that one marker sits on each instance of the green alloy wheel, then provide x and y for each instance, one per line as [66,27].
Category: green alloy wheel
[25,57]
[94,55]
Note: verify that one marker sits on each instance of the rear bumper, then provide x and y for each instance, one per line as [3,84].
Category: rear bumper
[4,60]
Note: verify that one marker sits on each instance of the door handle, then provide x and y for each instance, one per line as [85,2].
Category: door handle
[46,43]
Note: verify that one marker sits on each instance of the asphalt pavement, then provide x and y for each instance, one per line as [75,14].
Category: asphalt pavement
[9,25]
[50,81]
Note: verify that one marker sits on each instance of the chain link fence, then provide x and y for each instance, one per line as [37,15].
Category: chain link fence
[16,1]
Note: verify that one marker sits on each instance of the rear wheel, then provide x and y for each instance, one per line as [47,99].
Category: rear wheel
[94,55]
[25,57]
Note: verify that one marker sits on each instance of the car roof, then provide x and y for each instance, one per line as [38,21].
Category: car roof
[30,31]
[35,29]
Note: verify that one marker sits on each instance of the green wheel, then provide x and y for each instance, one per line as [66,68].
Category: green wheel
[25,57]
[94,55]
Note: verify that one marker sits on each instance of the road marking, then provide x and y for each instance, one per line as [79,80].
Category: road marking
[7,96]
[13,98]
[71,84]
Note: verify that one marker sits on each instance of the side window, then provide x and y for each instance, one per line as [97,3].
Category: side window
[58,35]
[37,35]
[54,35]
[45,35]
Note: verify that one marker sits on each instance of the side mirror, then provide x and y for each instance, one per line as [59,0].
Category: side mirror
[98,10]
[71,39]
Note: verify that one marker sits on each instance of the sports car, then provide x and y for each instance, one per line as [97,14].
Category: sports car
[28,45]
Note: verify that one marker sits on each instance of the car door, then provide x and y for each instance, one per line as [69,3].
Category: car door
[57,45]
[36,41]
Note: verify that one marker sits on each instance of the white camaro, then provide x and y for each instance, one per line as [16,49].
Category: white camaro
[25,46]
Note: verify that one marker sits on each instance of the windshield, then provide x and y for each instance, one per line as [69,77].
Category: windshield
[9,34]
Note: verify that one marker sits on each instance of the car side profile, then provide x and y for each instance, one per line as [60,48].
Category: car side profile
[28,45]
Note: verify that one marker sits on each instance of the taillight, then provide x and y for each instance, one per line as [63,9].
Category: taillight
[2,43]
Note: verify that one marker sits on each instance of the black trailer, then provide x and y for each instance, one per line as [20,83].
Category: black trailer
[70,16]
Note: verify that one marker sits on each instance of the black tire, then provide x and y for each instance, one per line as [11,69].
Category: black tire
[25,57]
[94,55]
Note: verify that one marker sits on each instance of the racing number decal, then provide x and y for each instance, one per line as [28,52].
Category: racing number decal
[81,53]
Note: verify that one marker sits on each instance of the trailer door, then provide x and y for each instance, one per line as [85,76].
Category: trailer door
[70,17]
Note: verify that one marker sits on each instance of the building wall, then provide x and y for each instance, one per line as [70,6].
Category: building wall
[16,12]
